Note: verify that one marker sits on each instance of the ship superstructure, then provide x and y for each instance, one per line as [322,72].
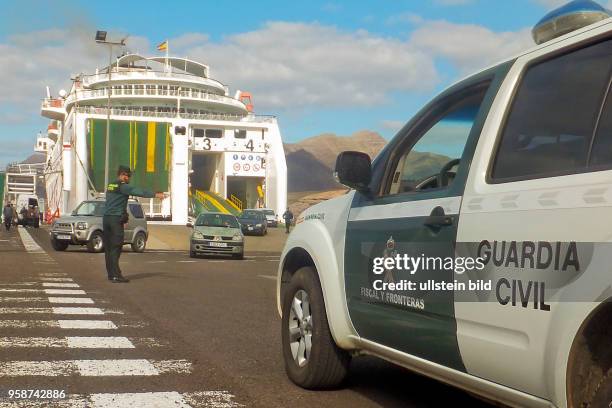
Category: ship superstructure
[178,129]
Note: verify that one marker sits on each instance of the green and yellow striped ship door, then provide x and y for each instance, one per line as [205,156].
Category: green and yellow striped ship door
[144,146]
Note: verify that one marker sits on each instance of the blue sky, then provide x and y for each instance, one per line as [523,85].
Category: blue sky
[319,66]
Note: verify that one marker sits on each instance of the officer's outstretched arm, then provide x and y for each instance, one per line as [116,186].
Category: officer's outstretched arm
[135,191]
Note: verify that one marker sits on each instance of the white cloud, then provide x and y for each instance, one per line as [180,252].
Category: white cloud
[469,47]
[392,125]
[288,66]
[293,65]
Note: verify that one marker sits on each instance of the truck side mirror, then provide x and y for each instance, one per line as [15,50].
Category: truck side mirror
[354,170]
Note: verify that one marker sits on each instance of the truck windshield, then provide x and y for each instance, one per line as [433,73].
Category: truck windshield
[217,220]
[90,209]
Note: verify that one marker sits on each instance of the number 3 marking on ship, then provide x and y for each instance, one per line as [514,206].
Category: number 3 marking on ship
[206,144]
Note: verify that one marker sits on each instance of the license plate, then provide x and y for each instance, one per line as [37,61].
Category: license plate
[67,237]
[250,228]
[218,244]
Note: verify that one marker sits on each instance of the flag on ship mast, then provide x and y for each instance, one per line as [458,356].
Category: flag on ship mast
[164,47]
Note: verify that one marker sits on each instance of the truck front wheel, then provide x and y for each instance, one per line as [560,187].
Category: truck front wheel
[312,359]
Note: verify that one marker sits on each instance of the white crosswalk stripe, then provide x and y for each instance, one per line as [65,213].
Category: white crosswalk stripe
[93,368]
[70,300]
[62,324]
[66,342]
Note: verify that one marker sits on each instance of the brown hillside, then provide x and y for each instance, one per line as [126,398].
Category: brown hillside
[310,162]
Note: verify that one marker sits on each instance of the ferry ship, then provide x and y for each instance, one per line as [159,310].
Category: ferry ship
[177,128]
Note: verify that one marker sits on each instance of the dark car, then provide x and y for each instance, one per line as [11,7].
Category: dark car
[253,222]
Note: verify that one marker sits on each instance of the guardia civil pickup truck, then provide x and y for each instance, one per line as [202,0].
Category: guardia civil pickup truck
[510,168]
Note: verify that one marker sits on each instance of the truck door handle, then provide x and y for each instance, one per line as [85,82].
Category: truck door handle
[438,218]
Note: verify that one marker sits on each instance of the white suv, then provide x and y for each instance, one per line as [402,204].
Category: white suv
[511,168]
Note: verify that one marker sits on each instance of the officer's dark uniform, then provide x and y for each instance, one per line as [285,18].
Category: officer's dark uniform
[115,215]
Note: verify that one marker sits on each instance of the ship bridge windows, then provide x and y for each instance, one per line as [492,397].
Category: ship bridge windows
[151,89]
[214,133]
[208,133]
[240,133]
[173,90]
[138,89]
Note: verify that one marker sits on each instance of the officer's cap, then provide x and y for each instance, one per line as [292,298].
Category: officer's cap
[124,170]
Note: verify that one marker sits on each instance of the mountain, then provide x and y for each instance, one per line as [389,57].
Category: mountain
[310,162]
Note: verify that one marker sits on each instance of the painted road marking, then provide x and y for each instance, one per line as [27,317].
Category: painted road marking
[70,300]
[156,262]
[171,399]
[187,261]
[57,279]
[22,299]
[60,285]
[53,274]
[62,324]
[64,292]
[87,324]
[27,241]
[67,342]
[267,277]
[77,310]
[52,310]
[94,368]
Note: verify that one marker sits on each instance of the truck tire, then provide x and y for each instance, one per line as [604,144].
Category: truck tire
[96,242]
[312,359]
[139,243]
[59,245]
[603,392]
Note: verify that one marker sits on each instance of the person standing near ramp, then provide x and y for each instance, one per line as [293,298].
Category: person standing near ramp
[115,217]
[7,213]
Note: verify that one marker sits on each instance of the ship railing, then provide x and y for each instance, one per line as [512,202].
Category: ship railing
[138,74]
[172,114]
[148,90]
[20,168]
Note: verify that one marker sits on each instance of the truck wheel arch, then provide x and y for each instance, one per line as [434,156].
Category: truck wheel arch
[335,308]
[590,356]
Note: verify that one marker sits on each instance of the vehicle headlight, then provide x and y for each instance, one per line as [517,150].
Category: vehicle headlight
[237,237]
[81,226]
[197,235]
[259,225]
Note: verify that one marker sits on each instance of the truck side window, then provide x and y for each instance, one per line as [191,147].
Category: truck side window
[136,211]
[550,126]
[438,150]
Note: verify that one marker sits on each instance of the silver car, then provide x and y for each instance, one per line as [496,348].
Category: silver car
[84,227]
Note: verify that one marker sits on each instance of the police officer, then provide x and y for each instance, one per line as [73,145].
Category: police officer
[288,216]
[115,217]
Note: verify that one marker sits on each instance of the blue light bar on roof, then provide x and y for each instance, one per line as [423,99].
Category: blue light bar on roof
[574,15]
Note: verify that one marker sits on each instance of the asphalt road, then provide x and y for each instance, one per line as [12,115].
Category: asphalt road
[199,332]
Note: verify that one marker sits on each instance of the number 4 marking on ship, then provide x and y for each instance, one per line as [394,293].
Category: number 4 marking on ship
[249,145]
